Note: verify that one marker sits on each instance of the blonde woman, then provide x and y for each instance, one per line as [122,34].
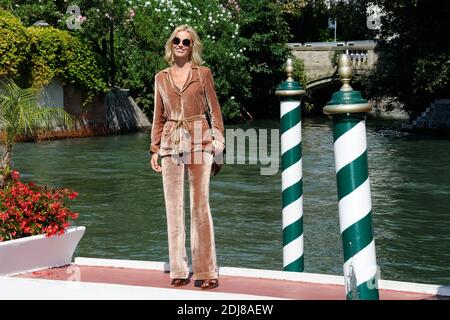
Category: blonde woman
[183,140]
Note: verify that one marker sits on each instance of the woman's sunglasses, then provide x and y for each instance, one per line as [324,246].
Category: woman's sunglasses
[186,42]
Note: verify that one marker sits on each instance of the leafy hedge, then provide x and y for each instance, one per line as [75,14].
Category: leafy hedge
[14,44]
[56,53]
[39,54]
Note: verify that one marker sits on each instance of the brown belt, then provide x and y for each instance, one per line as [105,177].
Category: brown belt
[183,123]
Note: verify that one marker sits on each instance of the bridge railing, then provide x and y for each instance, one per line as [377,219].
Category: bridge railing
[339,45]
[320,58]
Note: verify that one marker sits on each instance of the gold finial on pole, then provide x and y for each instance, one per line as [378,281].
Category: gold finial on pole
[345,72]
[289,70]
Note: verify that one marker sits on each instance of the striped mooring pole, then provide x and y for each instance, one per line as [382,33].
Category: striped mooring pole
[348,110]
[289,93]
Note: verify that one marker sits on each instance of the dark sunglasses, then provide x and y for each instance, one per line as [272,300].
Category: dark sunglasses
[186,42]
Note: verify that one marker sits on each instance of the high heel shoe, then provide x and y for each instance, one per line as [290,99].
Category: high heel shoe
[210,284]
[179,282]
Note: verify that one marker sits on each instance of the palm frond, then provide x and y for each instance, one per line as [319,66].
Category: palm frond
[20,113]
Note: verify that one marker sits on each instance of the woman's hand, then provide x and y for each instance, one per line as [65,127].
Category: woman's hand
[218,147]
[154,163]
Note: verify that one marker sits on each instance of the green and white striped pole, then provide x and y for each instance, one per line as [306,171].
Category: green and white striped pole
[348,109]
[289,93]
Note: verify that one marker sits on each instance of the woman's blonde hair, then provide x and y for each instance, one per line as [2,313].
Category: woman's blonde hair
[196,45]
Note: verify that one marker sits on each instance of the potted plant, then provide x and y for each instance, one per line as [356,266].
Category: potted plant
[35,230]
[34,220]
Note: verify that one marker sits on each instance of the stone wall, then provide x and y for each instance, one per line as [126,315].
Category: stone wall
[123,114]
[113,112]
[92,114]
[436,118]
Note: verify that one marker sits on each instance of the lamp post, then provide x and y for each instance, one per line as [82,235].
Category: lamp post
[289,93]
[348,110]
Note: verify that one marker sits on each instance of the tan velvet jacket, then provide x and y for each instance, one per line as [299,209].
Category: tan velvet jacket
[179,122]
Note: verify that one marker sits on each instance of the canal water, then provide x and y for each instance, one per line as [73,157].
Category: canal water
[121,201]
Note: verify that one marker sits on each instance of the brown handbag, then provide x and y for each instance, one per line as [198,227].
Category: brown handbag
[215,167]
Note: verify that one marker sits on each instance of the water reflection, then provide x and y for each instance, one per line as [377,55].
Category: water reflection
[121,201]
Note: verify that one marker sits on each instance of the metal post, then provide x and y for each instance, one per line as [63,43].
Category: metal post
[335,29]
[289,93]
[348,110]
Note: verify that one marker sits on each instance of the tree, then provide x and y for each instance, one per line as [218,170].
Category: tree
[307,20]
[264,33]
[414,63]
[31,11]
[351,16]
[292,7]
[20,115]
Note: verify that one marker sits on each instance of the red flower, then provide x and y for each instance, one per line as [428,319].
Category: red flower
[15,175]
[29,209]
[73,195]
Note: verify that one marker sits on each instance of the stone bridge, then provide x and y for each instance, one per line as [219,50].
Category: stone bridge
[320,59]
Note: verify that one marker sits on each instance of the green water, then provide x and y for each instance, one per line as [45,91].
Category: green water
[121,201]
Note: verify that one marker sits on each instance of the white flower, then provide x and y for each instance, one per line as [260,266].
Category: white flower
[232,97]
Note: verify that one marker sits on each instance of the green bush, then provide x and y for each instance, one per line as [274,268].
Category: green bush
[58,54]
[14,45]
[39,54]
[299,71]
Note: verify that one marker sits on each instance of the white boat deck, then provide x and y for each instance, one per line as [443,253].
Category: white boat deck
[105,279]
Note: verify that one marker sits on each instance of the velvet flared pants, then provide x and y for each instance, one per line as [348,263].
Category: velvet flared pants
[198,168]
